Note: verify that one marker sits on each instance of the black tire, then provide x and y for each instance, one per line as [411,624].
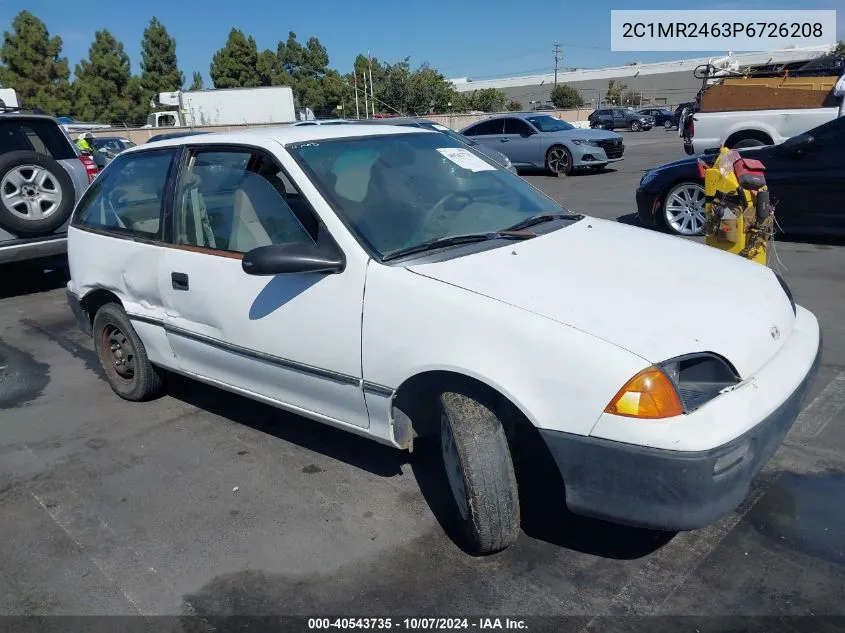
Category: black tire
[635,126]
[14,218]
[667,125]
[748,142]
[561,165]
[481,476]
[112,327]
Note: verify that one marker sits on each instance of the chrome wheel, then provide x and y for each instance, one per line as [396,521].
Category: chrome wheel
[684,208]
[31,192]
[452,463]
[635,126]
[559,161]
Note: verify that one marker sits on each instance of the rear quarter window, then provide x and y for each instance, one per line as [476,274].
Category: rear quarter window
[44,137]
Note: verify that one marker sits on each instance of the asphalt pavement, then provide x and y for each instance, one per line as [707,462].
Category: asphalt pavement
[204,503]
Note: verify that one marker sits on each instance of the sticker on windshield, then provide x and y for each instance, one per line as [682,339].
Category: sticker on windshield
[465,159]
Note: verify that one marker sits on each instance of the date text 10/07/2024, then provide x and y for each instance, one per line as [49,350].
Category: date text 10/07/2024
[418,624]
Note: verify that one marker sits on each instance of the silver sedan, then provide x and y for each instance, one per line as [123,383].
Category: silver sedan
[541,140]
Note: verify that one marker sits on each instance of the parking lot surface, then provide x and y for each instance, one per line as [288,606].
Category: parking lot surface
[206,503]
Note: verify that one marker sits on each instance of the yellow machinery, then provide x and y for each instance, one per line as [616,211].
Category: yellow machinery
[738,216]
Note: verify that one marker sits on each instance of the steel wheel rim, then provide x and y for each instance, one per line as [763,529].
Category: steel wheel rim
[684,209]
[558,160]
[31,192]
[452,464]
[117,353]
[635,126]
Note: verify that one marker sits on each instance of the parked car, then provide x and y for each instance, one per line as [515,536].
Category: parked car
[42,175]
[170,135]
[662,117]
[620,119]
[386,281]
[805,175]
[492,154]
[541,140]
[112,145]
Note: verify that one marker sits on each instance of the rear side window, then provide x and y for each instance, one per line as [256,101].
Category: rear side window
[127,197]
[494,126]
[42,136]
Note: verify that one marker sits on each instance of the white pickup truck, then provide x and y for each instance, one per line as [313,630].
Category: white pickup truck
[750,128]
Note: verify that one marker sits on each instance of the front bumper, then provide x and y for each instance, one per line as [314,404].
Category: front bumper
[647,207]
[665,489]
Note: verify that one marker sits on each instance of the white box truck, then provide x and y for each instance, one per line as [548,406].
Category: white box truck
[230,106]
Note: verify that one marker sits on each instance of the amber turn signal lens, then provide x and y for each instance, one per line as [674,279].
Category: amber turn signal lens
[649,394]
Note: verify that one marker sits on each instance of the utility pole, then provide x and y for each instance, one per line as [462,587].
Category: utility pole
[366,104]
[372,91]
[556,51]
[357,111]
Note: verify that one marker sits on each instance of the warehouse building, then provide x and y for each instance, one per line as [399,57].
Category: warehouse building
[658,84]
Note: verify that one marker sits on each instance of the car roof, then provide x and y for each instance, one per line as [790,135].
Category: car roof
[22,116]
[282,135]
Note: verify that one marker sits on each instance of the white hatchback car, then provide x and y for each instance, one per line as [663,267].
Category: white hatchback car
[392,282]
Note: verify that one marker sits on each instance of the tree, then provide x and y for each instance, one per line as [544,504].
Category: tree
[565,96]
[614,92]
[197,83]
[840,48]
[104,89]
[159,71]
[33,65]
[236,64]
[514,106]
[489,100]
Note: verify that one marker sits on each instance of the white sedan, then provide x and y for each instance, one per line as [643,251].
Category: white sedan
[394,283]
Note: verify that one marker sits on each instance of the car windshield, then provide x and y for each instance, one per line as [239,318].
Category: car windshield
[400,190]
[547,123]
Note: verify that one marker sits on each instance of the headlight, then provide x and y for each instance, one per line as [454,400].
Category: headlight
[582,141]
[788,292]
[674,387]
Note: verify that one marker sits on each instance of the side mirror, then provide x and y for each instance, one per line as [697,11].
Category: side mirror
[797,144]
[285,259]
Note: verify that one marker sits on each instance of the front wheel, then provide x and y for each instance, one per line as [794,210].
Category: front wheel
[683,210]
[559,160]
[636,126]
[123,357]
[480,472]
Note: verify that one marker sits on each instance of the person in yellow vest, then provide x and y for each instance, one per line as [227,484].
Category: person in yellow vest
[84,142]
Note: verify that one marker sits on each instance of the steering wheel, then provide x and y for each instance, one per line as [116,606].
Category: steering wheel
[435,214]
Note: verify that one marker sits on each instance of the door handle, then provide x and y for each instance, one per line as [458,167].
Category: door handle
[179,280]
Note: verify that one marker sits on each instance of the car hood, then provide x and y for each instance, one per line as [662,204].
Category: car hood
[655,295]
[759,153]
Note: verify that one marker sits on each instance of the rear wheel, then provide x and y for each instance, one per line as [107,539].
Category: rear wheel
[36,193]
[480,472]
[748,142]
[559,160]
[123,357]
[667,125]
[683,209]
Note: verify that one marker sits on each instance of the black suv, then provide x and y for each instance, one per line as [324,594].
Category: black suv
[42,175]
[620,118]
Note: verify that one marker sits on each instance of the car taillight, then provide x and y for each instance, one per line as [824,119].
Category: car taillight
[90,167]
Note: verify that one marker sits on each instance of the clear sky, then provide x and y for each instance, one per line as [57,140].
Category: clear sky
[460,38]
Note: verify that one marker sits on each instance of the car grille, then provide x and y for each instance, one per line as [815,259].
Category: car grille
[612,147]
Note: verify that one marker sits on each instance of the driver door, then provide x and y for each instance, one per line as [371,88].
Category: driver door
[292,339]
[521,143]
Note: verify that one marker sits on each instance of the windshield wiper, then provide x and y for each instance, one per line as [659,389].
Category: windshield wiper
[454,240]
[534,220]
